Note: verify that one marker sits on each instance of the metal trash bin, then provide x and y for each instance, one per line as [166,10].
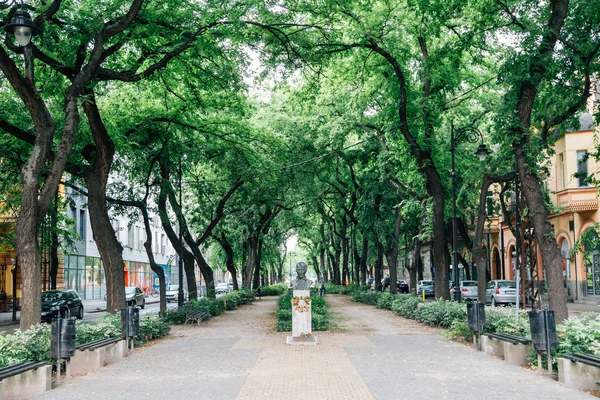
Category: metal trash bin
[62,338]
[130,322]
[543,330]
[476,317]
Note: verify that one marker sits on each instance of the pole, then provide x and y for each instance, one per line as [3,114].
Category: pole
[517,241]
[14,291]
[180,291]
[457,294]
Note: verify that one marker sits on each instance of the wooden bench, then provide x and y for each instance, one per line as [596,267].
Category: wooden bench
[580,371]
[194,315]
[25,380]
[96,354]
[511,348]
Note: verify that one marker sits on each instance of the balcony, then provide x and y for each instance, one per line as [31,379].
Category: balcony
[578,199]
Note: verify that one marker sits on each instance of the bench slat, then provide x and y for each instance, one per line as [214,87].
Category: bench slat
[584,358]
[12,370]
[508,338]
[96,344]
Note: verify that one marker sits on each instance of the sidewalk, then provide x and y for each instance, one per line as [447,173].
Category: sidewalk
[376,355]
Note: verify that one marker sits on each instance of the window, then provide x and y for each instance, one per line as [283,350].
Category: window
[563,180]
[162,244]
[130,237]
[74,216]
[140,243]
[82,224]
[582,167]
[490,204]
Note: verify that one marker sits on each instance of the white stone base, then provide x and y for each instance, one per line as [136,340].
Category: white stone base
[302,340]
[301,321]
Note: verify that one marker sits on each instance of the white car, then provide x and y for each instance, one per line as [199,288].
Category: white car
[172,293]
[221,288]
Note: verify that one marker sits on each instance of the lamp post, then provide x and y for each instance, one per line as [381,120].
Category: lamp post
[180,276]
[13,270]
[471,135]
[20,24]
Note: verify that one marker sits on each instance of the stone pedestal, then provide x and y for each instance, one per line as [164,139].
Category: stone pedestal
[301,320]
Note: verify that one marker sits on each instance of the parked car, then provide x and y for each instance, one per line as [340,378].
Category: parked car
[427,287]
[172,293]
[53,301]
[402,286]
[501,292]
[135,297]
[468,290]
[370,282]
[221,288]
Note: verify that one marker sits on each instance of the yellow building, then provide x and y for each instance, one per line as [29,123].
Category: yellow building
[576,212]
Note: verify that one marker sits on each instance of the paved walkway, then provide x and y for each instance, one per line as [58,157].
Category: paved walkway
[374,355]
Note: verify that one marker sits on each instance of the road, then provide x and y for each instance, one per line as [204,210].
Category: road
[94,316]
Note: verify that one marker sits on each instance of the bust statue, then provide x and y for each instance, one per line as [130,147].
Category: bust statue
[301,282]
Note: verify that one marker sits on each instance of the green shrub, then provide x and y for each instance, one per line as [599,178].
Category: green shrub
[441,313]
[320,322]
[579,335]
[151,327]
[385,301]
[371,297]
[459,330]
[247,296]
[231,300]
[108,327]
[30,345]
[405,305]
[331,288]
[273,290]
[502,320]
[175,316]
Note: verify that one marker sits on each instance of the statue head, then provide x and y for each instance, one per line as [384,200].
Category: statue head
[301,268]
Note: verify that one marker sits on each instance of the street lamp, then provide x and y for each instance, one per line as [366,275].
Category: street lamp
[471,135]
[180,276]
[13,270]
[21,24]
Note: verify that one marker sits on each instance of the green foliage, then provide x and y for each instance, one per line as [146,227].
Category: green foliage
[370,297]
[459,331]
[385,301]
[175,316]
[273,290]
[108,327]
[30,345]
[441,313]
[502,320]
[231,300]
[579,335]
[405,305]
[151,327]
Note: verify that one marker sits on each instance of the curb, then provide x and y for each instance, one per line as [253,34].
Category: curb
[97,310]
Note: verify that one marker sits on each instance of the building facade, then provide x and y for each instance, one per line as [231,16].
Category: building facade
[574,219]
[83,270]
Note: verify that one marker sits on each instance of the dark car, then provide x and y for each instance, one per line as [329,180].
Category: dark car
[135,297]
[55,301]
[402,286]
[426,287]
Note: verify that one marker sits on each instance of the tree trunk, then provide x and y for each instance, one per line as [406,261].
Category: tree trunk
[229,264]
[544,235]
[54,243]
[378,265]
[96,174]
[363,260]
[391,252]
[251,263]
